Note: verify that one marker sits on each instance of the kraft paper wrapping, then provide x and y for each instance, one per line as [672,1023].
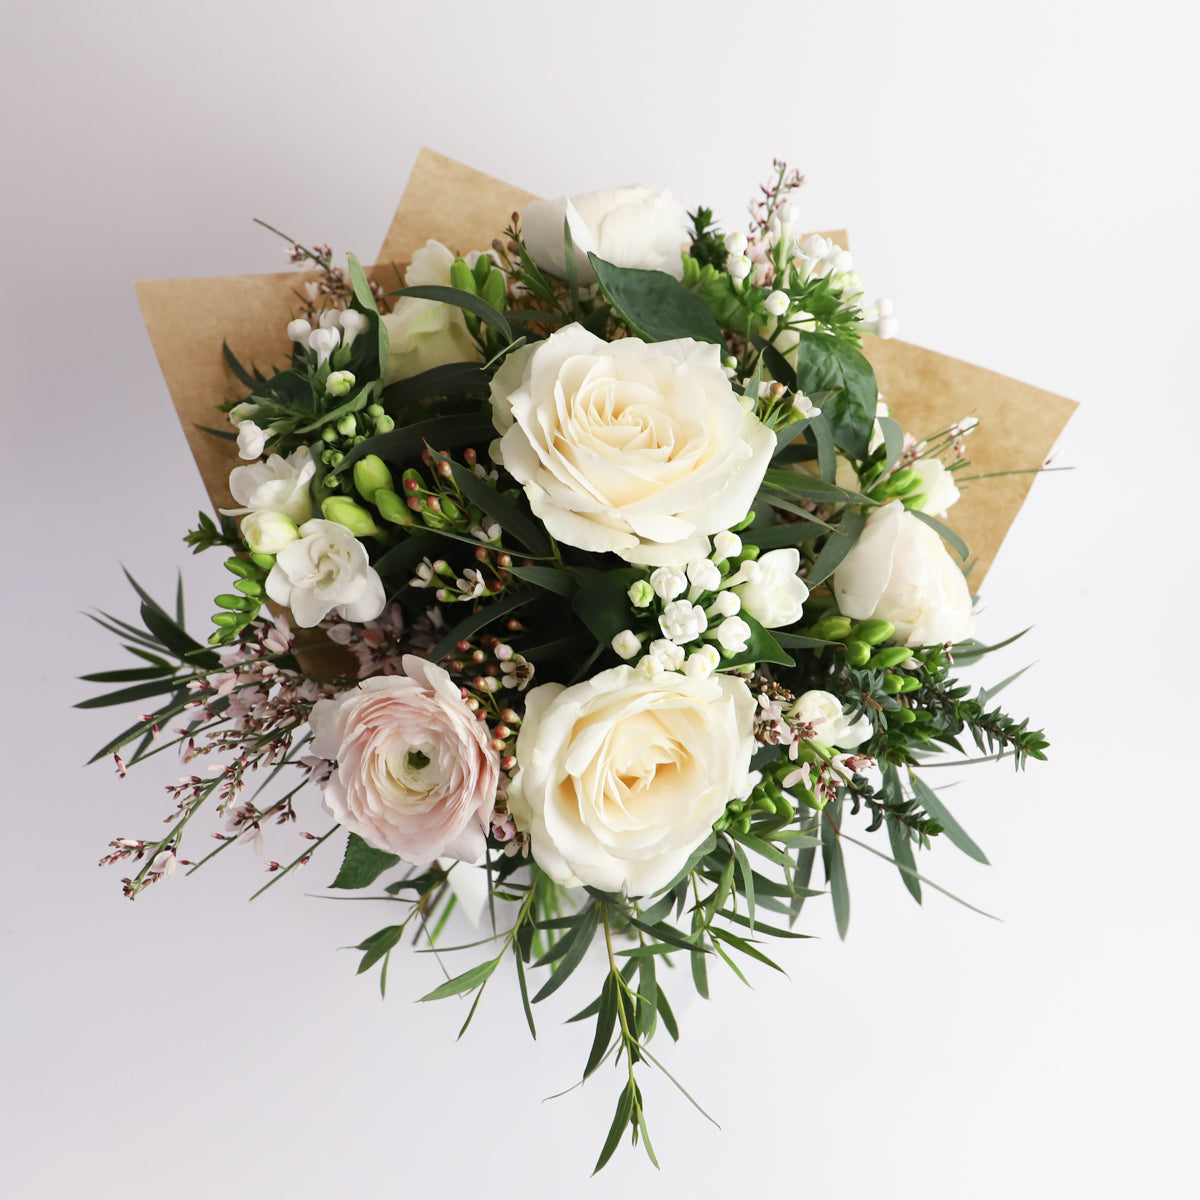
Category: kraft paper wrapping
[188,319]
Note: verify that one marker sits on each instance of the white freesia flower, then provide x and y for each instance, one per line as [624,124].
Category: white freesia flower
[267,532]
[824,712]
[937,484]
[628,227]
[251,440]
[415,772]
[277,484]
[637,448]
[423,334]
[620,778]
[773,593]
[900,571]
[327,568]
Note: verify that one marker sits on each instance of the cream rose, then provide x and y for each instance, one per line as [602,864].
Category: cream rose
[423,334]
[628,227]
[638,448]
[900,571]
[621,777]
[415,774]
[326,568]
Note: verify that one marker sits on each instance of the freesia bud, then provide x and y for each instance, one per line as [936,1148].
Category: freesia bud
[353,516]
[392,508]
[251,440]
[267,532]
[370,475]
[298,330]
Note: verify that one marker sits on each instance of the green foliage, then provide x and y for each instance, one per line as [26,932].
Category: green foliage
[655,306]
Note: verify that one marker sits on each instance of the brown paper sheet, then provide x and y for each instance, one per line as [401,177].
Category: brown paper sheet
[188,319]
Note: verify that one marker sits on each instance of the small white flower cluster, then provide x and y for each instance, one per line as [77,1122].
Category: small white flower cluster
[334,326]
[701,605]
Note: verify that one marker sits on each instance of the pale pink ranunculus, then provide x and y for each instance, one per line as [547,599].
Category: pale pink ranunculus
[415,772]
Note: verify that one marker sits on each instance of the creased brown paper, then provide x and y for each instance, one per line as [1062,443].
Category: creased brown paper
[188,319]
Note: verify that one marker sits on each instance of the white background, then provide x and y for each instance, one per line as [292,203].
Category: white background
[1020,179]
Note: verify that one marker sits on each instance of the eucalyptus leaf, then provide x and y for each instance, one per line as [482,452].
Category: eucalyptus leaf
[944,531]
[656,306]
[460,299]
[958,836]
[835,868]
[466,982]
[840,543]
[902,852]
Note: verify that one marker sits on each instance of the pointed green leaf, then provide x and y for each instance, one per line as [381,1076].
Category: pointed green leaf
[581,940]
[929,801]
[902,851]
[656,306]
[466,982]
[835,873]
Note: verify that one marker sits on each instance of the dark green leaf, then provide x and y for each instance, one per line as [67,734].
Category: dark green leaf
[549,579]
[581,939]
[450,379]
[174,639]
[759,927]
[606,1020]
[668,1017]
[459,299]
[828,364]
[809,487]
[243,376]
[131,675]
[621,1119]
[740,943]
[377,945]
[362,864]
[524,991]
[944,531]
[747,875]
[761,648]
[126,695]
[929,801]
[361,285]
[893,441]
[503,511]
[647,1004]
[786,533]
[837,547]
[656,306]
[903,853]
[466,982]
[602,603]
[463,631]
[835,870]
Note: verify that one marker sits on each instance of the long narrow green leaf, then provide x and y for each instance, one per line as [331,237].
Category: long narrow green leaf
[127,695]
[377,945]
[902,851]
[502,510]
[606,1020]
[491,611]
[941,814]
[837,547]
[524,985]
[944,531]
[460,299]
[741,944]
[582,939]
[835,873]
[466,982]
[621,1119]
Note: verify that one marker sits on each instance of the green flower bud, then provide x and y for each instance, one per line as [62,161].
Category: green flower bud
[875,631]
[916,501]
[267,532]
[384,424]
[265,561]
[764,802]
[691,271]
[482,269]
[905,716]
[249,587]
[226,620]
[374,411]
[641,594]
[329,434]
[462,278]
[783,808]
[893,684]
[237,604]
[339,384]
[241,568]
[347,426]
[494,291]
[857,653]
[392,507]
[450,510]
[808,799]
[890,656]
[335,458]
[743,824]
[900,482]
[371,474]
[346,512]
[833,628]
[911,683]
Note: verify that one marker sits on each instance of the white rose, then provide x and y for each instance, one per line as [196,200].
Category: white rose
[900,571]
[277,484]
[415,773]
[628,227]
[326,569]
[621,777]
[824,712]
[937,484]
[775,596]
[423,334]
[637,448]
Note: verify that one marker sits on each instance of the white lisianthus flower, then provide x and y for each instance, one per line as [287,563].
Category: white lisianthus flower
[668,582]
[937,484]
[621,777]
[251,440]
[773,594]
[277,484]
[899,570]
[631,447]
[327,568]
[423,334]
[824,712]
[734,635]
[682,621]
[268,532]
[628,227]
[415,773]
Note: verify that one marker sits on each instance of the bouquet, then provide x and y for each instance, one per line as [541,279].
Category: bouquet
[584,574]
